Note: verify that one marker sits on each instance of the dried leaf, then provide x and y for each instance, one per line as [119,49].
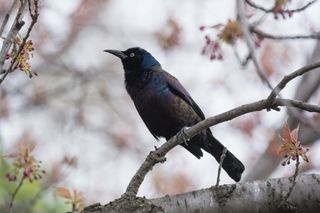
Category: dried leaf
[231,32]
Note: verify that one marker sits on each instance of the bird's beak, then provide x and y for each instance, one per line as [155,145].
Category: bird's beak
[117,53]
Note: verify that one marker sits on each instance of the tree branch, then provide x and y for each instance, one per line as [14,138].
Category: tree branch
[262,34]
[34,17]
[222,157]
[154,156]
[270,103]
[6,18]
[289,77]
[258,196]
[250,44]
[15,28]
[256,6]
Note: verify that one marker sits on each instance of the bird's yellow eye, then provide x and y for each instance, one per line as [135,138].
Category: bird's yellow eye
[131,55]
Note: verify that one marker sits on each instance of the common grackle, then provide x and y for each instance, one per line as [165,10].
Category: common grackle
[166,107]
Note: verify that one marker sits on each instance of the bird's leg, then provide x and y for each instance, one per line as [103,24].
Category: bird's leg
[182,135]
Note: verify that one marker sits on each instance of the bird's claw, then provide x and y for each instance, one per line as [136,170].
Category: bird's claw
[183,135]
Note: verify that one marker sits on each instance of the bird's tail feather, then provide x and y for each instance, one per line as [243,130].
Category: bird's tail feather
[231,164]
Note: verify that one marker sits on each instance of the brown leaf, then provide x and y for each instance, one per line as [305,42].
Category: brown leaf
[231,32]
[169,37]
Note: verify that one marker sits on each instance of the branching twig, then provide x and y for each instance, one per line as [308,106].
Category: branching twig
[223,155]
[256,6]
[154,156]
[15,28]
[289,77]
[250,43]
[34,18]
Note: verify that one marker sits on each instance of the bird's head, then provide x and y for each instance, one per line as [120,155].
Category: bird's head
[135,59]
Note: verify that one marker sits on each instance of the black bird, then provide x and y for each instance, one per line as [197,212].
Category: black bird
[166,107]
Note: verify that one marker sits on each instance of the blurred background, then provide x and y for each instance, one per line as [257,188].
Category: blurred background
[88,134]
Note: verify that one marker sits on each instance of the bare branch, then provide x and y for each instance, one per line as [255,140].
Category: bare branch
[250,44]
[284,37]
[154,156]
[289,77]
[34,18]
[14,194]
[297,104]
[15,28]
[294,177]
[256,6]
[6,18]
[223,155]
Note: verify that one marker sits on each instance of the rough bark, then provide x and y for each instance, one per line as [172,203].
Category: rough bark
[257,196]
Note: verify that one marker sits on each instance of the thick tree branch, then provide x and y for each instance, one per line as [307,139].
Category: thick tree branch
[259,196]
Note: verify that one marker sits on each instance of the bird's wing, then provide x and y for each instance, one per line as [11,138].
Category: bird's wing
[177,89]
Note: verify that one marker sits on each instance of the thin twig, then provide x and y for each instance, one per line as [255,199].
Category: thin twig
[14,194]
[256,6]
[296,104]
[15,28]
[34,17]
[222,157]
[289,77]
[283,37]
[271,10]
[250,44]
[293,181]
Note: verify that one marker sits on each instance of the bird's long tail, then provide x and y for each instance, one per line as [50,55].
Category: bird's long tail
[231,164]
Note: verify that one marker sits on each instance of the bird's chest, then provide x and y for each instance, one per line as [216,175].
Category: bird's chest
[153,97]
[159,108]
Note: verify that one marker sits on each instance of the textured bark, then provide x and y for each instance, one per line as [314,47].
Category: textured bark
[257,196]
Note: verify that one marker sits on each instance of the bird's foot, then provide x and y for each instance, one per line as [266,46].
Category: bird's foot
[182,135]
